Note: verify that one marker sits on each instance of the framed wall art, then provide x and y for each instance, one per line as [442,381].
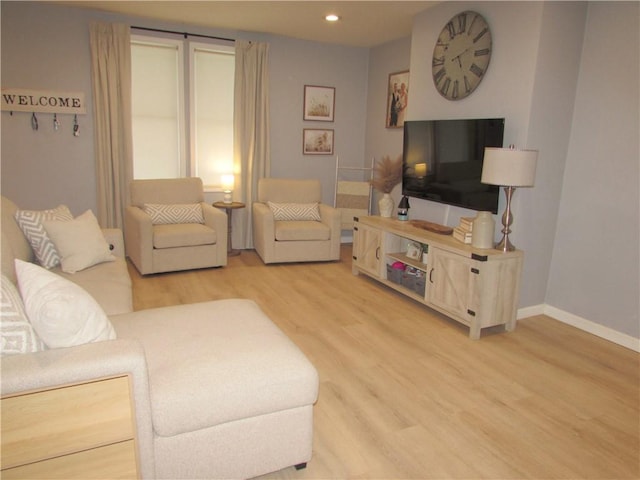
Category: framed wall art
[397,99]
[319,103]
[317,141]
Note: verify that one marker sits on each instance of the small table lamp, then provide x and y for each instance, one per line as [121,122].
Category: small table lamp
[227,187]
[509,168]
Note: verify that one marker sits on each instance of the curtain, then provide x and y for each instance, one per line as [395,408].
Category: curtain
[250,129]
[111,80]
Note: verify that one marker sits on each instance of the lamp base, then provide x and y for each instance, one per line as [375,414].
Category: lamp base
[507,219]
[505,245]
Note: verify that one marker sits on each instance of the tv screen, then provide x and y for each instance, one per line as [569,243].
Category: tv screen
[442,161]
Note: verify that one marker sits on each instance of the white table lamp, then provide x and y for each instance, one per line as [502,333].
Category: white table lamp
[509,168]
[227,187]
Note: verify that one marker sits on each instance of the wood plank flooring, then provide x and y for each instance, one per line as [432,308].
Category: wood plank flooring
[404,393]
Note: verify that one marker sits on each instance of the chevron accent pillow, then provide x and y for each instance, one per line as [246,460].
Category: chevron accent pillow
[295,211]
[16,333]
[31,224]
[176,213]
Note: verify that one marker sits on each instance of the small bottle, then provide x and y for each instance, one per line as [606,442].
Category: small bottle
[403,209]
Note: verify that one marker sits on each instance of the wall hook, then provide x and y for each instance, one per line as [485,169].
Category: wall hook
[76,127]
[34,121]
[56,123]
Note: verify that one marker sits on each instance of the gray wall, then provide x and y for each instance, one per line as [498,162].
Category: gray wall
[596,256]
[567,91]
[46,46]
[381,141]
[294,64]
[558,75]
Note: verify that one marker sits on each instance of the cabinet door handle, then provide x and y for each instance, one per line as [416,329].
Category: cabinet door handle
[431,276]
[378,253]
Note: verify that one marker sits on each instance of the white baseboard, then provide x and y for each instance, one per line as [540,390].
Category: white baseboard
[601,331]
[530,311]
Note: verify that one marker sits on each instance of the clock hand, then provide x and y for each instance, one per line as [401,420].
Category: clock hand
[457,57]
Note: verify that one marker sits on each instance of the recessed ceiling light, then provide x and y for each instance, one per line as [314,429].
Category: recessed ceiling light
[332,18]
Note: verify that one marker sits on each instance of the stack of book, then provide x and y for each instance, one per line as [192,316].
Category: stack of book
[463,231]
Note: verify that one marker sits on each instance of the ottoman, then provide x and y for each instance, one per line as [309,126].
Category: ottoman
[231,396]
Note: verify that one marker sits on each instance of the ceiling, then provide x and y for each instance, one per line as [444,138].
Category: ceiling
[361,24]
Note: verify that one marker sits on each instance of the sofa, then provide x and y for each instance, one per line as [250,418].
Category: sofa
[290,224]
[161,234]
[218,391]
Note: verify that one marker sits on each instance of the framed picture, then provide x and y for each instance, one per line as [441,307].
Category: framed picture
[397,99]
[317,142]
[319,103]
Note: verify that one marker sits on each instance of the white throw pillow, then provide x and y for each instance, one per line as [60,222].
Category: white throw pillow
[295,211]
[61,312]
[30,222]
[18,335]
[174,213]
[79,242]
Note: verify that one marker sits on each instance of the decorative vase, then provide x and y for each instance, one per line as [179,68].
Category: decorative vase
[483,230]
[385,204]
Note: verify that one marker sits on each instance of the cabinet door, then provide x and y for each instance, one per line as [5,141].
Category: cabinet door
[366,249]
[450,283]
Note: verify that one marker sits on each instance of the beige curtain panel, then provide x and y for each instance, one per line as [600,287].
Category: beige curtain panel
[250,129]
[111,78]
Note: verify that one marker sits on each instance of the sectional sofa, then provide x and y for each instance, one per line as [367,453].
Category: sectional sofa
[218,391]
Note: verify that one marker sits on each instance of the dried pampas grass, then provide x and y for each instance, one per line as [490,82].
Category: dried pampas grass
[387,174]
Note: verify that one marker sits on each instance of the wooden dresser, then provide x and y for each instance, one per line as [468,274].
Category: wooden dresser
[80,431]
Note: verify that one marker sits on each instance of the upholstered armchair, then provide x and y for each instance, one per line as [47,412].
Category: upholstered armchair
[290,224]
[169,227]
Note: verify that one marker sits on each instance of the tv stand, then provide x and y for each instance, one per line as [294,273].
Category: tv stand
[476,287]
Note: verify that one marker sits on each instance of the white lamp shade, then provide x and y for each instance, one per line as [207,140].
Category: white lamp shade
[227,182]
[509,167]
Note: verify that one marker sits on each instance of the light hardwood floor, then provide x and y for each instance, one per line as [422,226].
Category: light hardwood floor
[404,393]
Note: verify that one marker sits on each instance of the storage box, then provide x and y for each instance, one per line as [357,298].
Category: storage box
[420,286]
[394,274]
[414,280]
[409,280]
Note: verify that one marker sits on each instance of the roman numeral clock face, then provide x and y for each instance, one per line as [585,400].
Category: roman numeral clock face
[461,55]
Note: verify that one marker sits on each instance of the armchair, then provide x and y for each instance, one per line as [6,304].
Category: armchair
[296,237]
[161,233]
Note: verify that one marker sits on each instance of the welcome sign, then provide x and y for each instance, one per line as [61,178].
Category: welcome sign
[22,100]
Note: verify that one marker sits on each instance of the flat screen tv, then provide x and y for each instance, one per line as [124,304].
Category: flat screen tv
[442,161]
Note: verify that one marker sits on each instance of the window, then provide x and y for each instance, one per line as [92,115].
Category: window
[182,109]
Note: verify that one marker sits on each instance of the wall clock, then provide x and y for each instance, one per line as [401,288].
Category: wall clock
[461,55]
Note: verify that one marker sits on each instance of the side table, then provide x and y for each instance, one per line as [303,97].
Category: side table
[229,207]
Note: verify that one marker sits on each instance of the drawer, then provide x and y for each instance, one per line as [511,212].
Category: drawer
[116,461]
[48,423]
